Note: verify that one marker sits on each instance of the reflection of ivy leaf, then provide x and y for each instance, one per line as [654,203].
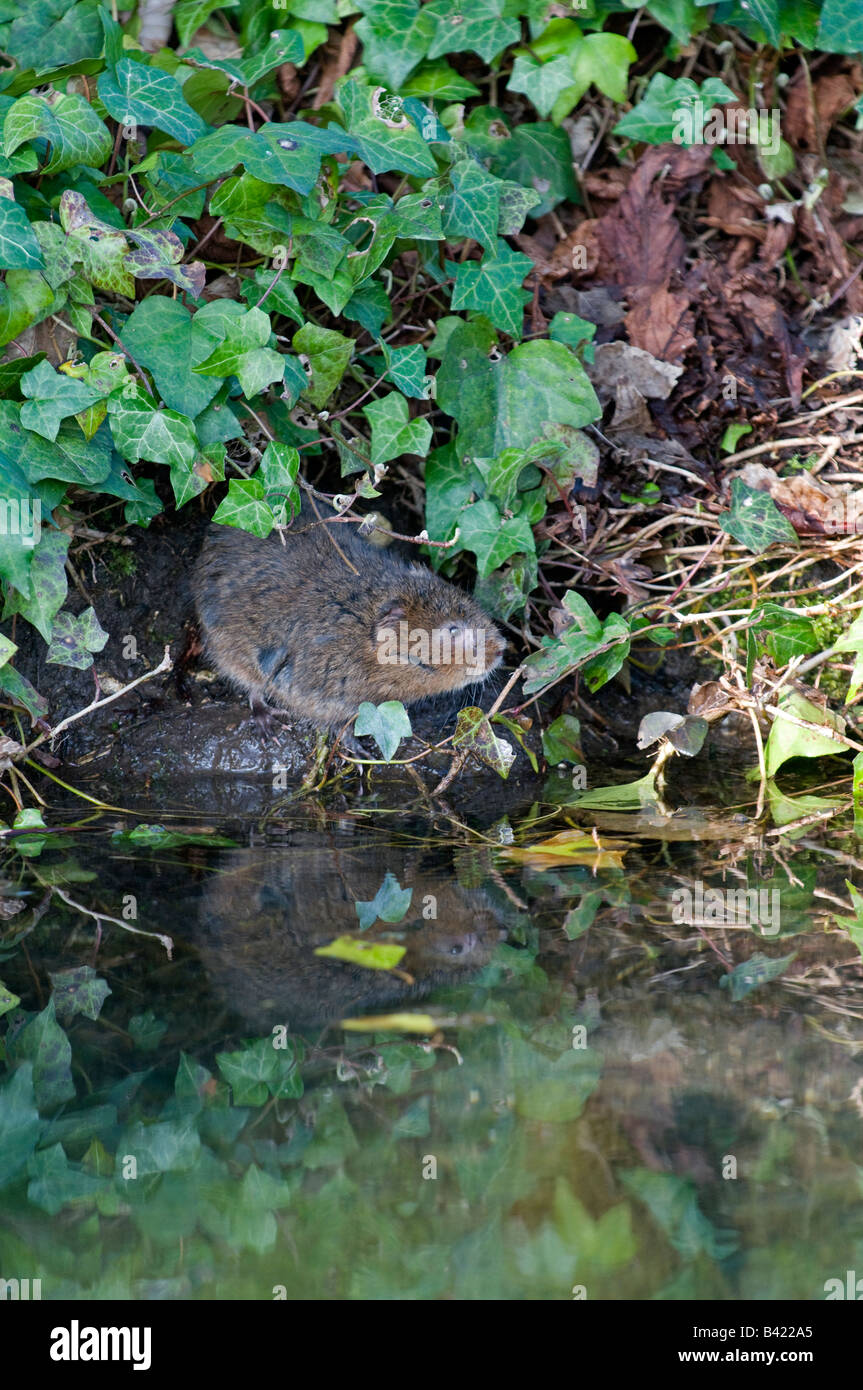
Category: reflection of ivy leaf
[389,904]
[373,955]
[78,991]
[750,974]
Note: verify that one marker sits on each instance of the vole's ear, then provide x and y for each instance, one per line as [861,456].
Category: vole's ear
[391,613]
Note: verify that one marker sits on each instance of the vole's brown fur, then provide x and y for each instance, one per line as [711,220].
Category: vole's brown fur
[298,624]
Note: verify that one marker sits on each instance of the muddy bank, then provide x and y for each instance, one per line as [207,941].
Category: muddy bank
[187,736]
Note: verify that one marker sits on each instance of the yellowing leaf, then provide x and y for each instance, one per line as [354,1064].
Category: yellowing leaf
[386,1023]
[374,955]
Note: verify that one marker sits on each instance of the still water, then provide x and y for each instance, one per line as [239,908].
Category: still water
[605,1102]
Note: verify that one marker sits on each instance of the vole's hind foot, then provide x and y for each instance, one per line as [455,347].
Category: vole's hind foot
[266,720]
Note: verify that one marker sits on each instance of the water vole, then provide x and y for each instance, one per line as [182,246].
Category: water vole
[311,624]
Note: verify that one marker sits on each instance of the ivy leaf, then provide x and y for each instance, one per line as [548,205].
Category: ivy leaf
[387,724]
[515,204]
[755,520]
[74,640]
[390,903]
[472,205]
[78,991]
[51,398]
[541,82]
[493,286]
[384,135]
[324,354]
[48,586]
[598,648]
[142,431]
[666,109]
[69,124]
[145,95]
[246,507]
[841,28]
[242,353]
[491,538]
[395,35]
[538,157]
[278,472]
[478,26]
[474,734]
[393,432]
[161,334]
[276,154]
[509,401]
[19,249]
[48,33]
[437,80]
[406,369]
[191,15]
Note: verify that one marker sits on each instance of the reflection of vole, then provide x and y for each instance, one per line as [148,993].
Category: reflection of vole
[265,911]
[317,622]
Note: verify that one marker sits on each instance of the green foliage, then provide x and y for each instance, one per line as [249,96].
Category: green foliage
[119,167]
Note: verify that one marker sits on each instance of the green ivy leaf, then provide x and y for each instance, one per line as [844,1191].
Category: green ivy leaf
[395,35]
[246,507]
[491,538]
[493,286]
[472,205]
[841,27]
[755,520]
[669,106]
[406,369]
[166,339]
[47,581]
[325,354]
[790,740]
[51,397]
[78,991]
[19,248]
[393,432]
[74,640]
[474,734]
[243,353]
[142,431]
[279,470]
[542,82]
[479,26]
[385,137]
[509,401]
[561,741]
[144,95]
[69,124]
[390,903]
[387,724]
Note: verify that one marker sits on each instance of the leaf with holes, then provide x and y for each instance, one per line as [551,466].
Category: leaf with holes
[474,734]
